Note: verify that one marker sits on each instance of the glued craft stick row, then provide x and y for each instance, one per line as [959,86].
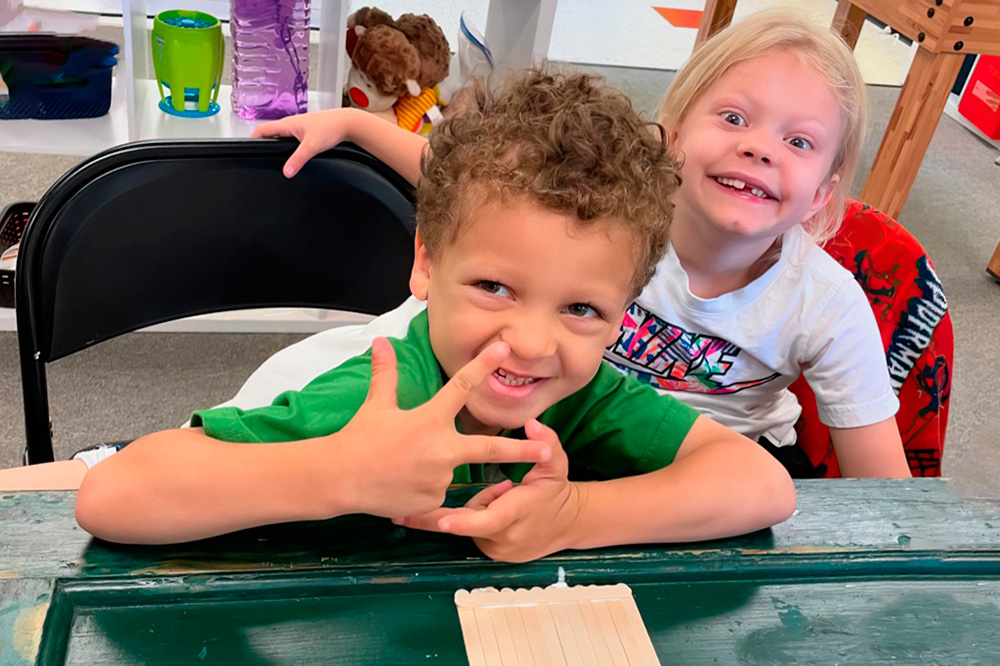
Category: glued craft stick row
[596,625]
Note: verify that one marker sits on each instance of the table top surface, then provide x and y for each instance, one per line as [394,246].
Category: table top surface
[865,568]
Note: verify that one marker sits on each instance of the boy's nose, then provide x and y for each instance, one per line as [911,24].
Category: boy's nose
[529,337]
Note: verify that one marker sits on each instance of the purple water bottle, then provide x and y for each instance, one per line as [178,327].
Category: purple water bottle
[270,57]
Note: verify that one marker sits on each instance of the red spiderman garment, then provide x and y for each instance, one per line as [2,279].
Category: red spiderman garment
[899,280]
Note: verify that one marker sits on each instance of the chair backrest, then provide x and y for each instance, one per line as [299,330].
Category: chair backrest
[153,231]
[898,278]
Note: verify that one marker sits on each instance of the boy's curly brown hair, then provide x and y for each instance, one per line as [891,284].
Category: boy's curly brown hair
[566,140]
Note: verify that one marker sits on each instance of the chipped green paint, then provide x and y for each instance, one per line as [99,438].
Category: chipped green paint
[24,604]
[865,572]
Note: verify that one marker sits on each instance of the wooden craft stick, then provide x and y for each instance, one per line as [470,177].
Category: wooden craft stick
[637,646]
[518,635]
[550,633]
[508,655]
[488,638]
[589,625]
[608,628]
[470,634]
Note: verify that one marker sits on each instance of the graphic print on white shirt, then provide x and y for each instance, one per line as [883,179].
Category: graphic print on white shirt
[668,357]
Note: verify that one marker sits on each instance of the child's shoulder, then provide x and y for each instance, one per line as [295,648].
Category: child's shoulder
[811,262]
[814,278]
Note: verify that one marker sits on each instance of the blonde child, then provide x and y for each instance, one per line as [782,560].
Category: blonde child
[527,254]
[768,117]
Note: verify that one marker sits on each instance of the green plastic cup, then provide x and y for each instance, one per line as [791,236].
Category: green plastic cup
[187,59]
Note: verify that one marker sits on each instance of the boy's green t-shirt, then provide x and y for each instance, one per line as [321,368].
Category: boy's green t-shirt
[614,426]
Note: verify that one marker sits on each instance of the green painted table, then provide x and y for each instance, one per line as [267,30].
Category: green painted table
[873,572]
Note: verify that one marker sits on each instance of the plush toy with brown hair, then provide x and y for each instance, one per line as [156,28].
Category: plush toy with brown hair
[395,65]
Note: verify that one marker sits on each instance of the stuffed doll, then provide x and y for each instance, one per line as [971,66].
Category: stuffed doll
[396,66]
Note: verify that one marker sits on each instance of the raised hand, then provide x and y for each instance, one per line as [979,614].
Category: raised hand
[317,132]
[400,462]
[516,523]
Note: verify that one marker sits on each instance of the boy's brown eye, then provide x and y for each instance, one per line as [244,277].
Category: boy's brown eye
[582,310]
[491,287]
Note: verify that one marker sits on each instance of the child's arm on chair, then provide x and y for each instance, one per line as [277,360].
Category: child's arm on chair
[322,130]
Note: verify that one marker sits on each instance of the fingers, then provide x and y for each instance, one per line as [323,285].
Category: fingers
[276,129]
[428,521]
[484,523]
[297,160]
[557,466]
[487,495]
[538,431]
[453,395]
[279,129]
[480,517]
[487,449]
[382,389]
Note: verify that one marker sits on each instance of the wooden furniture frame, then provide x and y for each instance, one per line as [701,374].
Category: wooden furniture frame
[946,31]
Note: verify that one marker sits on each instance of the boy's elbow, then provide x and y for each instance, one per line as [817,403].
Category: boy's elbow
[780,492]
[94,504]
[105,506]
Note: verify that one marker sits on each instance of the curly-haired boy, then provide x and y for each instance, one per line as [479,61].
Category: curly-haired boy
[542,212]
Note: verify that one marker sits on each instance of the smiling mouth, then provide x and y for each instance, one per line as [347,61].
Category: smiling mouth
[737,184]
[510,379]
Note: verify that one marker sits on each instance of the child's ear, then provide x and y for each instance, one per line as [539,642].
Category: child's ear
[420,274]
[823,194]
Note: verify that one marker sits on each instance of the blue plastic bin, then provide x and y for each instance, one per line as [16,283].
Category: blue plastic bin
[53,77]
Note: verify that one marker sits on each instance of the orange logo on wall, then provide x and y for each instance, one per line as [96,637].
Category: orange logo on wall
[680,18]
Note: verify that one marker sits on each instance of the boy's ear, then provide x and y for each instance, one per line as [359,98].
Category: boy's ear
[420,274]
[823,194]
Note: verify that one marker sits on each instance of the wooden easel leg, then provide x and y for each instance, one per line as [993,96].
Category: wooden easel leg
[717,15]
[848,20]
[993,268]
[910,129]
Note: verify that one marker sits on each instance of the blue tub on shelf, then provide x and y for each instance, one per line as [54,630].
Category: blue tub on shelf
[53,77]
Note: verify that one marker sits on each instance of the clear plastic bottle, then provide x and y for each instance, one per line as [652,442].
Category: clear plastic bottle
[270,57]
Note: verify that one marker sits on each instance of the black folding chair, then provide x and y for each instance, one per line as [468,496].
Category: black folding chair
[153,231]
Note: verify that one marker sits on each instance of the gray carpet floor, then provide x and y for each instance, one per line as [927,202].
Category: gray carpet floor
[146,381]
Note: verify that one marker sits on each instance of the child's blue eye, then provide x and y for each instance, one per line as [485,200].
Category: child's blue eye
[734,118]
[799,142]
[582,310]
[494,288]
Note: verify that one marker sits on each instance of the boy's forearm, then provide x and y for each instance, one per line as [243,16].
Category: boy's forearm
[724,488]
[181,485]
[397,147]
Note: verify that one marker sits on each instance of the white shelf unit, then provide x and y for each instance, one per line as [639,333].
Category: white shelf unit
[146,121]
[519,32]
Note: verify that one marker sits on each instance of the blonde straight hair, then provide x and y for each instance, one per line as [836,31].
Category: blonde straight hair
[820,49]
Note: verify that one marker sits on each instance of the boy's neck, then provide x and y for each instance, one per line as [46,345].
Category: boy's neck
[717,263]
